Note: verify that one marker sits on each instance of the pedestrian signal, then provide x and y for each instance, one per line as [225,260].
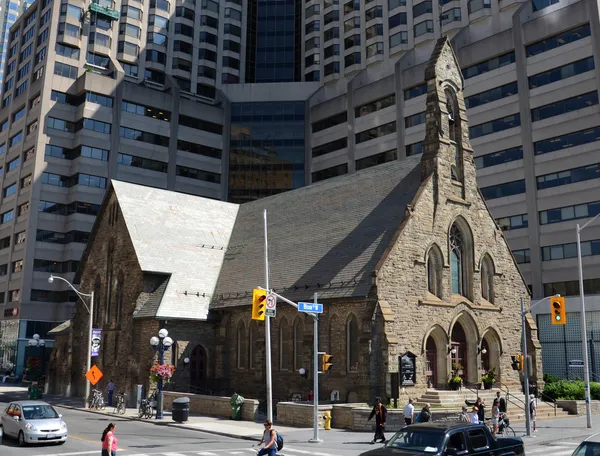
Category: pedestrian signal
[558,311]
[259,303]
[327,363]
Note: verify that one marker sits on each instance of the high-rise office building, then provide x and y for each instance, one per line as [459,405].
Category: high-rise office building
[9,11]
[240,100]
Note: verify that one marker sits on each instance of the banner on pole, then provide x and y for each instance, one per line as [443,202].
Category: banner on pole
[96,337]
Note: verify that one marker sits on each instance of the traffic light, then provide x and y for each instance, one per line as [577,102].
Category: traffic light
[558,311]
[259,303]
[522,363]
[327,363]
[517,362]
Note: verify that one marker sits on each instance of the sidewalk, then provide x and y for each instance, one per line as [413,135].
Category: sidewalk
[550,430]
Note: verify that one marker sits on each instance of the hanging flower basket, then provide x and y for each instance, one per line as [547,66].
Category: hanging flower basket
[162,372]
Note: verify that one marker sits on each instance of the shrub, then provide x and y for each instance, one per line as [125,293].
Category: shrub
[549,378]
[565,390]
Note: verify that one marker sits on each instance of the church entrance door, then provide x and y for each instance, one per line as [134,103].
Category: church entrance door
[460,364]
[198,369]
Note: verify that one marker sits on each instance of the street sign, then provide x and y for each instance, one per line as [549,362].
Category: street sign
[575,363]
[271,301]
[94,375]
[271,313]
[310,307]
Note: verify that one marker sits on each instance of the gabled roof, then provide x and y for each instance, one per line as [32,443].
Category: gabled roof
[148,302]
[180,235]
[62,328]
[325,238]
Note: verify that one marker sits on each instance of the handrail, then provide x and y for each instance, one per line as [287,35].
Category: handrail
[551,401]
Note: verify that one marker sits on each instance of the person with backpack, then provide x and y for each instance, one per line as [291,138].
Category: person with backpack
[272,440]
[109,441]
[424,415]
[380,414]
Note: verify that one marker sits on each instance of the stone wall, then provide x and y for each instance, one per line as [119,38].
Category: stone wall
[578,407]
[212,405]
[300,414]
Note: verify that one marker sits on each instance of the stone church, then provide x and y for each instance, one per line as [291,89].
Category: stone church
[413,272]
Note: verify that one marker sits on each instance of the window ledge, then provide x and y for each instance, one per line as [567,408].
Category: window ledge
[455,300]
[458,200]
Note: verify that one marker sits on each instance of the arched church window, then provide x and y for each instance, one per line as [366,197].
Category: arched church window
[298,344]
[97,290]
[487,279]
[120,294]
[109,279]
[241,345]
[285,340]
[253,347]
[434,272]
[454,133]
[352,344]
[457,251]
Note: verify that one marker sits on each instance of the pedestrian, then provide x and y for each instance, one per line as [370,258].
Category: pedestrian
[500,402]
[495,418]
[480,404]
[310,396]
[474,416]
[409,410]
[532,410]
[269,439]
[109,441]
[111,389]
[425,414]
[464,415]
[380,414]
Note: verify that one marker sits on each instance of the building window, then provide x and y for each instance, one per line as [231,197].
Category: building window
[541,4]
[144,163]
[489,65]
[415,91]
[571,288]
[487,279]
[495,126]
[97,288]
[330,172]
[414,120]
[502,190]
[377,159]
[555,41]
[298,344]
[329,122]
[497,93]
[568,177]
[513,222]
[377,132]
[120,295]
[329,147]
[500,157]
[562,214]
[562,72]
[564,106]
[422,28]
[242,348]
[522,256]
[414,149]
[352,344]
[457,260]
[478,5]
[434,271]
[564,251]
[373,106]
[576,138]
[285,359]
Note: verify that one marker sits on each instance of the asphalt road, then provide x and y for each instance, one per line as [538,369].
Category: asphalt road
[147,439]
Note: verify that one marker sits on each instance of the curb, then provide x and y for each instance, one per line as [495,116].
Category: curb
[158,423]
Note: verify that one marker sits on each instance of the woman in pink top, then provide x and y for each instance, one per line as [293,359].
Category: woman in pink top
[109,441]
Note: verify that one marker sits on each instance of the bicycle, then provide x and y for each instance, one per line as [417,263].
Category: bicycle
[120,404]
[97,400]
[146,409]
[504,429]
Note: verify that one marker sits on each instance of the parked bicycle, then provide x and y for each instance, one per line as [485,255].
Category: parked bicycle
[146,409]
[120,404]
[97,400]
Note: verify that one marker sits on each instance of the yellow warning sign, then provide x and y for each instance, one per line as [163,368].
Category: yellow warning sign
[94,375]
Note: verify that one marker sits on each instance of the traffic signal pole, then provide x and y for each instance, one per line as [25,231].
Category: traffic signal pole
[315,438]
[268,333]
[525,369]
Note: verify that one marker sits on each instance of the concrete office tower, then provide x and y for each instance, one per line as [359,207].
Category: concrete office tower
[9,11]
[75,113]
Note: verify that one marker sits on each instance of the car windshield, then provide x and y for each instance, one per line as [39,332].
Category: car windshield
[588,449]
[425,441]
[39,412]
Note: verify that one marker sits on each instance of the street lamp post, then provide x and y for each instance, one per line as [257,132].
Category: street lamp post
[162,344]
[586,370]
[37,342]
[526,372]
[90,309]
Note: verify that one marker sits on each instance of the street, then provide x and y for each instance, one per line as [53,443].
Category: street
[139,438]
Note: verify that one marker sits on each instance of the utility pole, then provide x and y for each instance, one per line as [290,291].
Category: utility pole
[315,438]
[268,332]
[525,369]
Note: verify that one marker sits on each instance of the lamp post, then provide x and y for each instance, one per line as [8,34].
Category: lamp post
[90,309]
[37,342]
[526,359]
[586,370]
[162,344]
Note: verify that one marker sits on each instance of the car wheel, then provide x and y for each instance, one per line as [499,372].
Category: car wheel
[22,441]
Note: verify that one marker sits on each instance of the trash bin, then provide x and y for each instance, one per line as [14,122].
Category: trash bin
[181,409]
[236,406]
[34,391]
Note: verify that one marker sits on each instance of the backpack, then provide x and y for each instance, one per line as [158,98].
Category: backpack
[419,418]
[279,441]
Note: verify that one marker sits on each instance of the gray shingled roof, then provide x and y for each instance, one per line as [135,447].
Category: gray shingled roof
[181,235]
[148,302]
[333,231]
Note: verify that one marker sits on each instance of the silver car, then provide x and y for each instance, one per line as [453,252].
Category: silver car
[33,422]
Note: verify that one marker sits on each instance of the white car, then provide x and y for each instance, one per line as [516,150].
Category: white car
[33,422]
[589,447]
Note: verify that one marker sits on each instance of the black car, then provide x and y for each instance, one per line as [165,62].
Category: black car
[448,438]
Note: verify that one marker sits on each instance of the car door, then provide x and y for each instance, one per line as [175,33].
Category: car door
[479,443]
[7,420]
[456,444]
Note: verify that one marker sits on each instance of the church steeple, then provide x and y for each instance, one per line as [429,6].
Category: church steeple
[448,155]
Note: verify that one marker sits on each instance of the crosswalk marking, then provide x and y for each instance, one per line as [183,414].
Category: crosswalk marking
[295,450]
[552,450]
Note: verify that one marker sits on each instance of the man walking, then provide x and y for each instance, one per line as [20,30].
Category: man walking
[380,414]
[409,410]
[111,389]
[500,402]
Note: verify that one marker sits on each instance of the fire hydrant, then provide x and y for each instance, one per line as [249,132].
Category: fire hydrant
[327,420]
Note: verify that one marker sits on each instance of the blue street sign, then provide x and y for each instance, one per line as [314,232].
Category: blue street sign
[310,307]
[575,363]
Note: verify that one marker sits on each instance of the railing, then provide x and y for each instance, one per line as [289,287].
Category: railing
[548,400]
